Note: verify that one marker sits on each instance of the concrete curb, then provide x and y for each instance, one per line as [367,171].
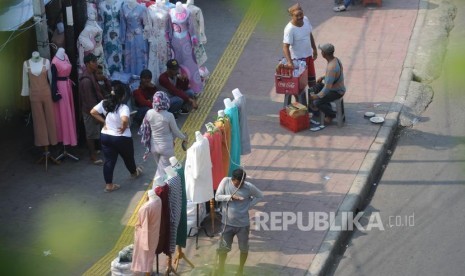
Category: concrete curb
[372,164]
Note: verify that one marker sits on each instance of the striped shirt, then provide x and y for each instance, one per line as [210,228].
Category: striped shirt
[334,78]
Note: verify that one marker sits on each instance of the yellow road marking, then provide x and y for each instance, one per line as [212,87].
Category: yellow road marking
[194,122]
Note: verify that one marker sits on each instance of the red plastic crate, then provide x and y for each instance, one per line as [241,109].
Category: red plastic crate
[294,124]
[291,85]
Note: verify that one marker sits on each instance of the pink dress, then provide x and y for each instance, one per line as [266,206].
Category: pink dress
[64,108]
[146,236]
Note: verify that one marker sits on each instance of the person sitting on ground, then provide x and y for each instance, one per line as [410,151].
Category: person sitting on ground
[144,94]
[341,5]
[332,83]
[176,85]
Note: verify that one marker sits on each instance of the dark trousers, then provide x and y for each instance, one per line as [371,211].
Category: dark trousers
[324,104]
[111,147]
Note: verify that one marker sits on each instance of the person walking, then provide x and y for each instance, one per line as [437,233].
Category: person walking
[237,196]
[163,128]
[298,43]
[115,135]
[332,84]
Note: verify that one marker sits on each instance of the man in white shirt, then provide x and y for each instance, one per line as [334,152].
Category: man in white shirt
[298,43]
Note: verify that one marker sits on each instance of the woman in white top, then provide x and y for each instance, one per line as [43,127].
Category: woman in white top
[115,135]
[163,130]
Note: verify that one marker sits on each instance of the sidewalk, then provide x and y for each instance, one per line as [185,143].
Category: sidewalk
[302,172]
[307,171]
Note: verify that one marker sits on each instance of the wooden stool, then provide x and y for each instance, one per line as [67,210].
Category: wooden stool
[340,113]
[377,2]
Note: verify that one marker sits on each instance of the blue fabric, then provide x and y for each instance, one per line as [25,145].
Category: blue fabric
[235,150]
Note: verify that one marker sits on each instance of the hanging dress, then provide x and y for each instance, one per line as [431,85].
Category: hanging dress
[135,51]
[181,42]
[175,199]
[235,151]
[216,154]
[164,240]
[64,108]
[199,26]
[181,237]
[240,102]
[224,126]
[198,172]
[158,31]
[110,21]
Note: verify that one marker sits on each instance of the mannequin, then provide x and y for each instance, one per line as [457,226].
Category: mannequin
[90,41]
[146,234]
[132,21]
[224,125]
[183,41]
[210,127]
[199,26]
[240,102]
[162,190]
[170,172]
[64,108]
[198,171]
[228,103]
[36,76]
[158,181]
[232,112]
[175,163]
[158,31]
[109,14]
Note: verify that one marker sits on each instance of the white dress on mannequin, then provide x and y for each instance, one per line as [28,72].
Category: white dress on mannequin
[90,41]
[198,171]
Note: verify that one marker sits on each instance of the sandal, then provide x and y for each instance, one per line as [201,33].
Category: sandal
[98,162]
[137,173]
[113,188]
[317,128]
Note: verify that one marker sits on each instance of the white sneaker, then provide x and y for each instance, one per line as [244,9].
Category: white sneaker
[339,8]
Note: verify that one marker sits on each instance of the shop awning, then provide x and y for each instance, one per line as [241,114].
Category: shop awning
[15,15]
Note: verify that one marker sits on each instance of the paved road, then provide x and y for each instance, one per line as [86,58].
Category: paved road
[421,192]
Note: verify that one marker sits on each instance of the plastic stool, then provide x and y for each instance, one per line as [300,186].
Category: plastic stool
[340,113]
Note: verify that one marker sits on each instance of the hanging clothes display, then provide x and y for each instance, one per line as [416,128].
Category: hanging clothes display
[135,54]
[90,41]
[240,102]
[235,151]
[198,171]
[175,201]
[183,39]
[64,108]
[146,235]
[224,126]
[215,139]
[199,26]
[164,240]
[36,86]
[158,32]
[109,19]
[181,237]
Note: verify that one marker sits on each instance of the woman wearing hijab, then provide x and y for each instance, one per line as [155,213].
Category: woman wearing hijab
[164,129]
[115,135]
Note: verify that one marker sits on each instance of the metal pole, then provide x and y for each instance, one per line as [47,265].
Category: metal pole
[38,8]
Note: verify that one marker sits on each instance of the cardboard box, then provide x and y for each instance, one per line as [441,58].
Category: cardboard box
[296,109]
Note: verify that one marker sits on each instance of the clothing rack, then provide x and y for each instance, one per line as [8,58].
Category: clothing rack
[65,153]
[46,156]
[198,228]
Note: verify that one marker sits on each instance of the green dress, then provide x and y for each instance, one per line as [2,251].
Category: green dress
[181,236]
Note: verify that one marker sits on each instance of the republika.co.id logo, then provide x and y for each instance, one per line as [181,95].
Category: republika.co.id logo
[323,221]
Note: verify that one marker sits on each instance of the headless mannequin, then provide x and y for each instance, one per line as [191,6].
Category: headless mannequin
[228,103]
[198,136]
[41,104]
[170,172]
[236,93]
[60,54]
[174,162]
[158,181]
[90,41]
[220,113]
[210,127]
[189,2]
[179,8]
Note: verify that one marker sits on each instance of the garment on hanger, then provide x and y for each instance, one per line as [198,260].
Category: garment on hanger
[146,235]
[135,52]
[215,139]
[64,108]
[181,237]
[109,19]
[90,41]
[240,102]
[40,95]
[165,222]
[175,201]
[235,150]
[182,43]
[224,126]
[158,31]
[199,26]
[198,171]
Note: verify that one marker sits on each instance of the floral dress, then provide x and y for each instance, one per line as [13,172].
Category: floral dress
[109,19]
